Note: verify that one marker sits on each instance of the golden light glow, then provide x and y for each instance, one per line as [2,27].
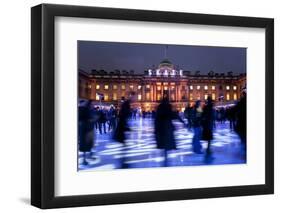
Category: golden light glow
[147,86]
[139,86]
[191,87]
[198,87]
[139,97]
[106,97]
[115,86]
[213,87]
[158,88]
[114,96]
[205,96]
[213,96]
[158,97]
[147,96]
[165,87]
[190,96]
[97,97]
[131,86]
[123,86]
[235,96]
[227,97]
[205,87]
[97,86]
[106,86]
[227,87]
[234,87]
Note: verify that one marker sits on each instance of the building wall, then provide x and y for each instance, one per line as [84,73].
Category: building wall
[150,89]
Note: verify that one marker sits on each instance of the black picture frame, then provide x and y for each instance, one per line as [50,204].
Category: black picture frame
[43,102]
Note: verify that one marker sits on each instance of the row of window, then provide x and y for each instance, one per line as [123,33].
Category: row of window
[172,97]
[191,87]
[198,87]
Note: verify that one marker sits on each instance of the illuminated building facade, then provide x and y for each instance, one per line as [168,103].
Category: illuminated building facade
[180,86]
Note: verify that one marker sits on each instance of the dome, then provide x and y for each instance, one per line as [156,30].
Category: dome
[166,64]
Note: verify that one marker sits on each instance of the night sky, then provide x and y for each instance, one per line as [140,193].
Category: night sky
[139,57]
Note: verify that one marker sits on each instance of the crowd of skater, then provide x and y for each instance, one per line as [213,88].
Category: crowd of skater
[200,118]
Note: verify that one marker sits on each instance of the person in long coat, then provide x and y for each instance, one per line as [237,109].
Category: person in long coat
[207,125]
[164,128]
[241,120]
[86,132]
[197,129]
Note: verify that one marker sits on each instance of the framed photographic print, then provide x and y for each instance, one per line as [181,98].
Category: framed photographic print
[139,106]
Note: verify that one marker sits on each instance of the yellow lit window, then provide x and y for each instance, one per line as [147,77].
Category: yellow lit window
[198,87]
[165,87]
[234,87]
[227,87]
[235,96]
[139,97]
[115,86]
[123,86]
[205,96]
[158,88]
[213,87]
[97,97]
[191,96]
[191,87]
[158,97]
[205,87]
[131,86]
[97,86]
[114,96]
[106,86]
[106,97]
[172,87]
[147,86]
[139,86]
[227,97]
[213,96]
[147,96]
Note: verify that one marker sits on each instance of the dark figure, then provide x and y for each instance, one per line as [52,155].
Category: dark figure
[112,116]
[188,116]
[102,121]
[207,124]
[241,120]
[86,133]
[196,123]
[164,128]
[122,126]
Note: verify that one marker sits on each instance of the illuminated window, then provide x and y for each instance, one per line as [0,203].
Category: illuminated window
[106,97]
[131,86]
[139,97]
[191,96]
[234,87]
[227,97]
[213,87]
[147,86]
[97,97]
[235,96]
[89,86]
[115,86]
[227,87]
[205,96]
[172,83]
[198,87]
[158,97]
[106,86]
[205,87]
[158,88]
[139,86]
[123,86]
[172,87]
[165,87]
[213,96]
[114,96]
[191,87]
[97,86]
[147,96]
